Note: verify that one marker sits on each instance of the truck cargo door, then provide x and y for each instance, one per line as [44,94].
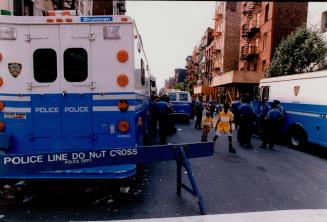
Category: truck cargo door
[45,86]
[76,85]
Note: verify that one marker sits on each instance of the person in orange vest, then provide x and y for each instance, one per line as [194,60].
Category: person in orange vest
[224,126]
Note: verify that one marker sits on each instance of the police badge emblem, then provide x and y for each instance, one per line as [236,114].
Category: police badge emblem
[296,90]
[15,69]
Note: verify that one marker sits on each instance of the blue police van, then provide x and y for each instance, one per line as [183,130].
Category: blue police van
[181,103]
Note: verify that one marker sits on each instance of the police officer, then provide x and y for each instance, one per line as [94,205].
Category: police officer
[199,107]
[273,118]
[153,114]
[246,119]
[263,123]
[234,108]
[280,122]
[162,110]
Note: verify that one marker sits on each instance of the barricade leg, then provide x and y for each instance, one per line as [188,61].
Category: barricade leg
[182,160]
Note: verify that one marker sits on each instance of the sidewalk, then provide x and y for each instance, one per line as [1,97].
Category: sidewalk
[267,216]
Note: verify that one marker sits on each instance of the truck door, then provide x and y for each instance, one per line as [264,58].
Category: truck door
[76,84]
[45,85]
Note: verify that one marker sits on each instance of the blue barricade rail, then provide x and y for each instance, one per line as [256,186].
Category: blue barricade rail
[34,166]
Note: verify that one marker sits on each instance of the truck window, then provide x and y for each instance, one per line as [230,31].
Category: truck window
[75,65]
[45,65]
[172,96]
[265,93]
[183,97]
[142,73]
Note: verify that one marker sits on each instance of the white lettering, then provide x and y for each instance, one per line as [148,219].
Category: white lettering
[16,160]
[123,152]
[97,155]
[57,157]
[73,109]
[46,109]
[76,156]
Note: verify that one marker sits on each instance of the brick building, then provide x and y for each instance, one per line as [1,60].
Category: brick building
[180,75]
[226,43]
[317,19]
[263,26]
[203,61]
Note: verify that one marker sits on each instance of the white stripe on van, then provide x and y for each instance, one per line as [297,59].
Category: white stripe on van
[16,98]
[16,110]
[110,97]
[115,108]
[304,114]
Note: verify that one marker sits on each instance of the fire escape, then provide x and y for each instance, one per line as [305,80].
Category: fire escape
[249,52]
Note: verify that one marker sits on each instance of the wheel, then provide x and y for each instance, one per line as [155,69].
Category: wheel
[297,137]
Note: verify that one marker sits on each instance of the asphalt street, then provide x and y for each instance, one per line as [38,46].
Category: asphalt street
[251,180]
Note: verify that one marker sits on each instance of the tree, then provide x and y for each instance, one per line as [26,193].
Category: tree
[302,51]
[179,85]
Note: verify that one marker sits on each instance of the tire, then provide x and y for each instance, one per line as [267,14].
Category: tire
[297,137]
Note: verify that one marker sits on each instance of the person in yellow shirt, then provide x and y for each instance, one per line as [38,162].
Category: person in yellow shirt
[224,126]
[207,123]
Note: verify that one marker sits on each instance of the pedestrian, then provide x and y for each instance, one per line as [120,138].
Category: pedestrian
[223,97]
[171,122]
[163,110]
[246,120]
[273,117]
[234,108]
[193,107]
[207,124]
[224,126]
[212,107]
[199,107]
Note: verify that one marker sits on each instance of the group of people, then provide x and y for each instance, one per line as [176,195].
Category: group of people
[242,114]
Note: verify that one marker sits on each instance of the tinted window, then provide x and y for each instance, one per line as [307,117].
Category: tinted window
[75,65]
[172,96]
[183,97]
[265,93]
[45,65]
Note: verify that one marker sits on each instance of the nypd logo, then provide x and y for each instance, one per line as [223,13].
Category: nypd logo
[15,69]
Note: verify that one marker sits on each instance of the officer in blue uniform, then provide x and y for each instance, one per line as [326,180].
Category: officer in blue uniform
[246,120]
[263,123]
[234,108]
[162,110]
[199,107]
[273,118]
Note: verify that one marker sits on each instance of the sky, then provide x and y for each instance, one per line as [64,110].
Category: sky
[170,30]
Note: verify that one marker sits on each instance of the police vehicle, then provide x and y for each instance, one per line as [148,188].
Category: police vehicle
[181,102]
[71,83]
[305,102]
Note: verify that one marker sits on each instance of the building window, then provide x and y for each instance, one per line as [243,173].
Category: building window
[231,6]
[45,65]
[257,24]
[265,36]
[324,22]
[75,65]
[255,66]
[266,12]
